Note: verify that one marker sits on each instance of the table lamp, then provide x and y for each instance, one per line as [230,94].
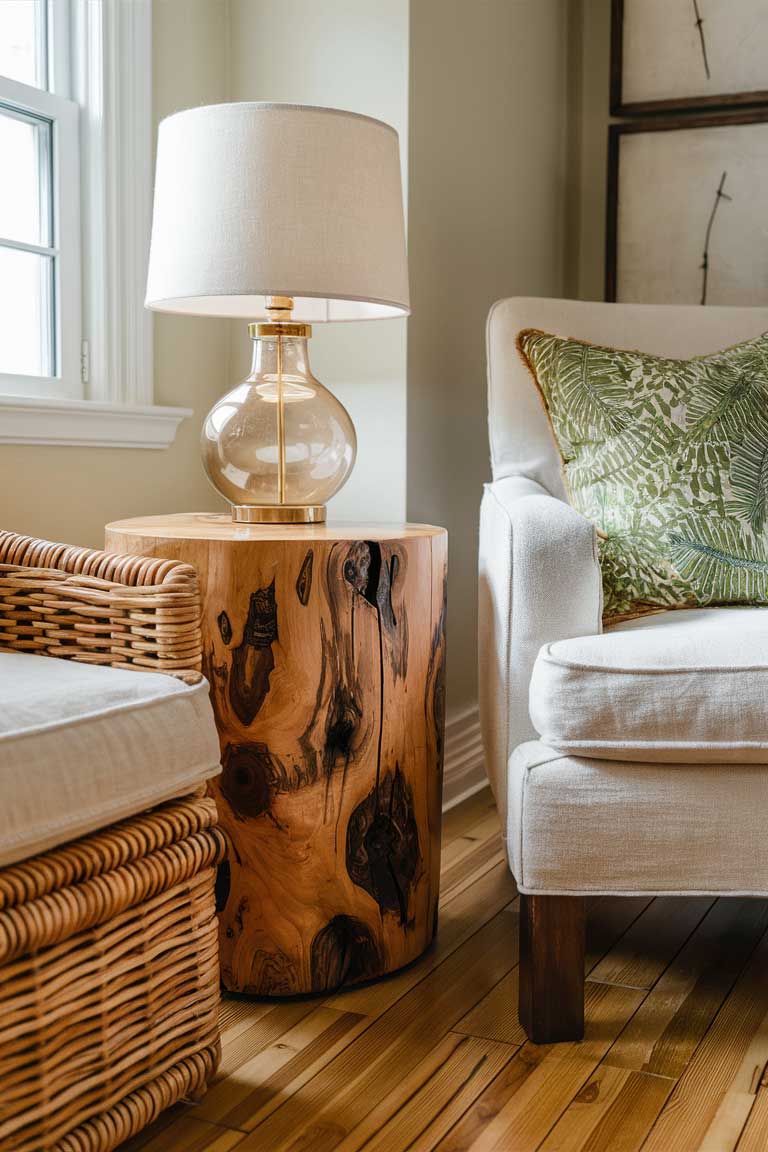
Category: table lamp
[284,215]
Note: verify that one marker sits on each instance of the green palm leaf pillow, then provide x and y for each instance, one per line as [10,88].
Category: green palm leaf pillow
[669,459]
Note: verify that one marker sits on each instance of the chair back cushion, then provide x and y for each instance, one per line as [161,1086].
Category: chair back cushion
[520,436]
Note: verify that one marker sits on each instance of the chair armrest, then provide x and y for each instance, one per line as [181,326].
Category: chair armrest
[539,581]
[99,608]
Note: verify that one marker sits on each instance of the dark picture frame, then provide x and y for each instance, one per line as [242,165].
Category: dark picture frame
[619,107]
[617,132]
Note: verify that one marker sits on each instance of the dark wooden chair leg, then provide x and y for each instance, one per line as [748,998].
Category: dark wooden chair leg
[552,967]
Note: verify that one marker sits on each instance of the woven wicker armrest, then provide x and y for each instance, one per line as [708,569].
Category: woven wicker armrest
[99,608]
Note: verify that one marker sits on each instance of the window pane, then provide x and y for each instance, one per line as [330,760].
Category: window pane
[23,47]
[25,211]
[26,313]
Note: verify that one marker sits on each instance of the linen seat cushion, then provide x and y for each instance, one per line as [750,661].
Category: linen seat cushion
[82,746]
[577,825]
[675,687]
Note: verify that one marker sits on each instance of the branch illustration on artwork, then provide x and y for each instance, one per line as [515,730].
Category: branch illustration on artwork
[700,29]
[719,195]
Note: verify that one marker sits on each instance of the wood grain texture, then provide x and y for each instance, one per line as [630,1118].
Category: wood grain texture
[279,1068]
[656,935]
[542,1080]
[427,1103]
[614,1110]
[712,1099]
[551,985]
[754,1136]
[219,527]
[325,652]
[405,1064]
[339,1097]
[665,1032]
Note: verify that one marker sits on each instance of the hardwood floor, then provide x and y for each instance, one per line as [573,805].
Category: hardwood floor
[433,1058]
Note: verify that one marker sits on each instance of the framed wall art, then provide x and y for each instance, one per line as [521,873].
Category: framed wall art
[687,214]
[671,55]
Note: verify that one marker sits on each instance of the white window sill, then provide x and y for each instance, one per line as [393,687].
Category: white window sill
[87,423]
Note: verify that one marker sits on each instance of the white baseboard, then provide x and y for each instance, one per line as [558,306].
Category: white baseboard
[464,767]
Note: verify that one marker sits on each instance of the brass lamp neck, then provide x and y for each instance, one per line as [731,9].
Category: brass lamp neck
[283,328]
[279,308]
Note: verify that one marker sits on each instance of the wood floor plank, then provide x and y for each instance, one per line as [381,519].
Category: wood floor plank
[496,1016]
[732,1114]
[489,1104]
[185,1133]
[663,1034]
[428,1102]
[433,1059]
[613,1112]
[326,1109]
[261,1084]
[608,918]
[647,947]
[459,848]
[545,1082]
[714,1091]
[458,819]
[466,871]
[236,1013]
[242,1047]
[754,1136]
[493,892]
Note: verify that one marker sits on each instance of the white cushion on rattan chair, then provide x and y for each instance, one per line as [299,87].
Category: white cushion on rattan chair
[84,745]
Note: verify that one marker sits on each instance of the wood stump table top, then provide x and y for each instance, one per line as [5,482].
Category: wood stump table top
[215,526]
[324,648]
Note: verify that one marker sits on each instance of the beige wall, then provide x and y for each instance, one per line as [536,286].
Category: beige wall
[590,51]
[486,212]
[70,493]
[344,54]
[483,131]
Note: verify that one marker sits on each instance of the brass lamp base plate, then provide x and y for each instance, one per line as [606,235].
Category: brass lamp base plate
[278,513]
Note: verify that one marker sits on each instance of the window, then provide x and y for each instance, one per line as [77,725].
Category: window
[40,289]
[75,211]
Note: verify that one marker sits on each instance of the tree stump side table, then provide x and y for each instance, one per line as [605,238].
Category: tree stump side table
[324,648]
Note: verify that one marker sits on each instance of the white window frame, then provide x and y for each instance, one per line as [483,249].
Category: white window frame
[62,115]
[104,392]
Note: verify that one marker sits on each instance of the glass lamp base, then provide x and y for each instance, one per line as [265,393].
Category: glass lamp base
[278,513]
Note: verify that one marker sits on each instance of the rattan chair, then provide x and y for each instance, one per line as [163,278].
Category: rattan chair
[109,984]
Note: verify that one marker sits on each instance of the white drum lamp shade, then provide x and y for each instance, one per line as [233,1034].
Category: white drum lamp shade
[289,214]
[255,200]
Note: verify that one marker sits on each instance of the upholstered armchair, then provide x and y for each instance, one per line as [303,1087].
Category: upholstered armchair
[626,760]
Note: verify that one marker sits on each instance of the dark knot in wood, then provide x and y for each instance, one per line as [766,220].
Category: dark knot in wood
[344,716]
[304,579]
[383,854]
[225,628]
[261,626]
[223,884]
[253,660]
[247,779]
[371,578]
[343,951]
